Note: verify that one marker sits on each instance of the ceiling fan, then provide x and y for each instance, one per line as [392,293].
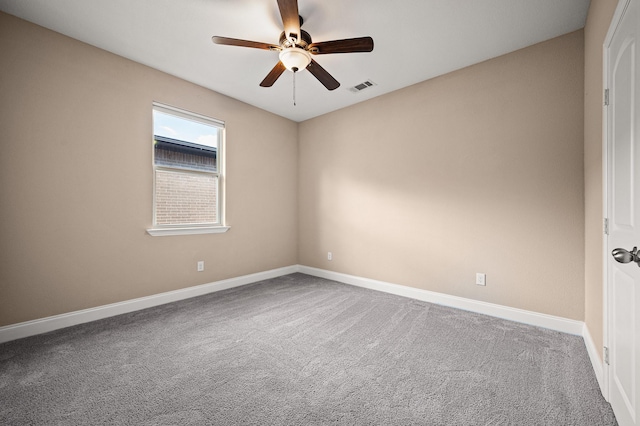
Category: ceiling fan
[296,47]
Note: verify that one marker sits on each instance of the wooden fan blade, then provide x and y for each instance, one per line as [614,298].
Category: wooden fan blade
[273,75]
[349,45]
[244,43]
[290,18]
[323,76]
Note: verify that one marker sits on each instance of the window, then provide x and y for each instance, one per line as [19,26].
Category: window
[187,173]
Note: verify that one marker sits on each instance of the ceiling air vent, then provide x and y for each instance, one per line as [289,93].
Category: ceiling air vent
[362,86]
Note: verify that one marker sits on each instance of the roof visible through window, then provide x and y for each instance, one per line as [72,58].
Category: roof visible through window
[178,128]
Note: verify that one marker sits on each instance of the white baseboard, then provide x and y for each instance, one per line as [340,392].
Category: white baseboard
[561,324]
[44,325]
[564,325]
[596,362]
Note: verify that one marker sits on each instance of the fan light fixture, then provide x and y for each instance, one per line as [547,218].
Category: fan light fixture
[296,47]
[295,59]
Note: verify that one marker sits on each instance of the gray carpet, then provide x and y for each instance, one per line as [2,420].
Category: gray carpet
[299,350]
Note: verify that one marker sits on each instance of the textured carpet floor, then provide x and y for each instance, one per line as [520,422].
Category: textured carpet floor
[299,350]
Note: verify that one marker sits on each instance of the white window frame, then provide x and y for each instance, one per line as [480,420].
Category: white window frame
[190,229]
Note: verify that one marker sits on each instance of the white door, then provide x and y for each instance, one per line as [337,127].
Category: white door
[623,195]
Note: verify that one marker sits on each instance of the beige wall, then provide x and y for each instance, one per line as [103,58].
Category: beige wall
[76,182]
[598,20]
[480,170]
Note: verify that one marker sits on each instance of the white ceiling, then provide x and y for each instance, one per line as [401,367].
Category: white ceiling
[414,40]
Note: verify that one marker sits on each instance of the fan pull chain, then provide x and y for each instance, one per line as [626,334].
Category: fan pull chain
[294,88]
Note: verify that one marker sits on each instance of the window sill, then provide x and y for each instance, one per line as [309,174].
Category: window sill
[163,232]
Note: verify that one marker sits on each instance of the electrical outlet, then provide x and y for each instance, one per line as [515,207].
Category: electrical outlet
[329,256]
[200,265]
[481,279]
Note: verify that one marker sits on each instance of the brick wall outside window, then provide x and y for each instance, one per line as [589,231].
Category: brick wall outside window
[185,196]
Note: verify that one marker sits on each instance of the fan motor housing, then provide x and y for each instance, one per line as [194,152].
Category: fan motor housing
[303,42]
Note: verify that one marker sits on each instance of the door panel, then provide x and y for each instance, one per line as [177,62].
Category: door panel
[623,180]
[624,355]
[622,116]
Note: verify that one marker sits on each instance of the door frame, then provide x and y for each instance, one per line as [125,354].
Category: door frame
[615,21]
